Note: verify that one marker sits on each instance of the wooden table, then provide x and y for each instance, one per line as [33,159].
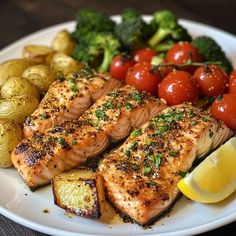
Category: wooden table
[21,17]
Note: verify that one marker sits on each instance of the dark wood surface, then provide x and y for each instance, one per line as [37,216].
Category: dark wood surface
[21,17]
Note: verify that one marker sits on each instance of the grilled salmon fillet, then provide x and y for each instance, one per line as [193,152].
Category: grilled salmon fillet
[68,99]
[43,156]
[141,176]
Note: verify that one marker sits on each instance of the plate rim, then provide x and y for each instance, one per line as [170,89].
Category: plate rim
[50,230]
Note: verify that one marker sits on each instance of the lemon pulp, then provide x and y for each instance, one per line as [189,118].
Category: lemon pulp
[214,179]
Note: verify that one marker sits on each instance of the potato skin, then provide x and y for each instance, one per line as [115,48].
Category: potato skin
[10,136]
[39,54]
[41,76]
[13,68]
[80,191]
[18,108]
[17,86]
[63,43]
[64,65]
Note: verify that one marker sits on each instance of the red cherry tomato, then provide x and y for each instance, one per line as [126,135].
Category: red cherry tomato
[178,87]
[212,81]
[120,65]
[144,77]
[232,82]
[182,52]
[144,54]
[223,108]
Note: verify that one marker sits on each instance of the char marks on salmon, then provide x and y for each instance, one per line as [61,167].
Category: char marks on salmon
[141,176]
[69,144]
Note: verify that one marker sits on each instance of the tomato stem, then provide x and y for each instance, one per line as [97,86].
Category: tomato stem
[179,67]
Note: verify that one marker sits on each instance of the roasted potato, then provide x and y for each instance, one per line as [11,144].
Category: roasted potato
[41,76]
[39,54]
[16,86]
[63,43]
[13,68]
[64,65]
[79,191]
[18,108]
[10,136]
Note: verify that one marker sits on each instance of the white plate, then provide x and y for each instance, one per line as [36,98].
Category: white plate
[18,203]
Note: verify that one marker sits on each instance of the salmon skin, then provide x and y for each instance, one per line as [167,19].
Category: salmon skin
[69,144]
[68,99]
[141,176]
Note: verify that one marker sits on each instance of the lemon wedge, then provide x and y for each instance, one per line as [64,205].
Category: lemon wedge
[214,179]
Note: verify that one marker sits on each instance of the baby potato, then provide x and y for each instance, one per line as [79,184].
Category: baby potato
[63,64]
[63,43]
[41,76]
[39,54]
[16,86]
[18,108]
[10,136]
[13,68]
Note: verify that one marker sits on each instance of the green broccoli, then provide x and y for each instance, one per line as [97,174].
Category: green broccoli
[211,51]
[130,14]
[132,31]
[167,27]
[165,46]
[99,52]
[91,21]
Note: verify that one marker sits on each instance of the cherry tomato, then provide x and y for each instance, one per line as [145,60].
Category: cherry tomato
[223,108]
[232,82]
[120,65]
[212,81]
[181,53]
[144,77]
[178,87]
[144,54]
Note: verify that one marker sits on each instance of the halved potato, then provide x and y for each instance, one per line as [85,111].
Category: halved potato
[64,64]
[18,108]
[41,76]
[16,86]
[79,191]
[10,136]
[13,68]
[63,43]
[39,54]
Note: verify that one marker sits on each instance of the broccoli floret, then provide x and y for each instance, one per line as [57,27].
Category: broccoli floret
[91,21]
[130,14]
[99,52]
[167,28]
[132,31]
[211,51]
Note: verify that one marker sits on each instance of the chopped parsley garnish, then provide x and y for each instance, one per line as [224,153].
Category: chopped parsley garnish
[108,105]
[135,166]
[88,73]
[173,154]
[115,94]
[136,133]
[136,96]
[128,106]
[163,128]
[74,142]
[147,170]
[152,183]
[100,114]
[44,116]
[127,152]
[193,122]
[73,85]
[61,140]
[158,160]
[204,119]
